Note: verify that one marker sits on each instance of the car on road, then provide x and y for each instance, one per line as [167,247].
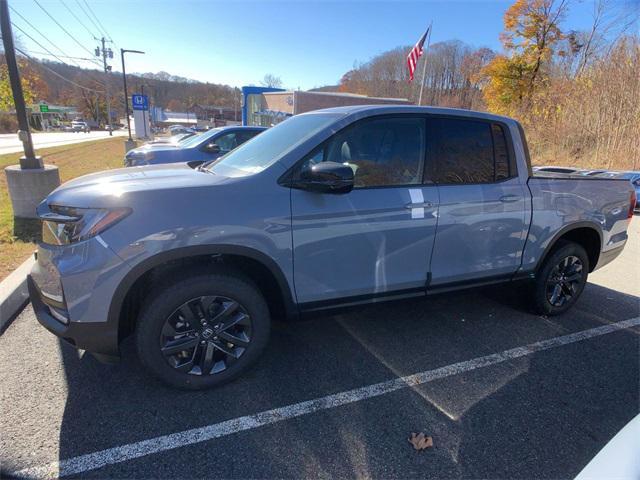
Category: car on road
[80,126]
[195,150]
[328,209]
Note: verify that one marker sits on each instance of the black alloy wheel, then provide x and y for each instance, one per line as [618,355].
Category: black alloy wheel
[564,281]
[206,335]
[561,279]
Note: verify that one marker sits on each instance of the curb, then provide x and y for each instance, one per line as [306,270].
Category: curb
[13,293]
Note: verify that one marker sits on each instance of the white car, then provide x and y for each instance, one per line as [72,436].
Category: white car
[619,459]
[80,126]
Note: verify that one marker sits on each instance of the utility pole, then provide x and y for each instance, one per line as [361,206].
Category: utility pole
[29,160]
[106,52]
[31,181]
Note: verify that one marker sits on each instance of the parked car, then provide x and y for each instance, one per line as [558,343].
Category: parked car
[196,150]
[176,129]
[328,209]
[566,170]
[174,139]
[619,459]
[80,126]
[633,177]
[592,173]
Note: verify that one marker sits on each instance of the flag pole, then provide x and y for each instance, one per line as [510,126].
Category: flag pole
[424,66]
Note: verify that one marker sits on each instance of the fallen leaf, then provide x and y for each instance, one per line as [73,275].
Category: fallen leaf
[420,441]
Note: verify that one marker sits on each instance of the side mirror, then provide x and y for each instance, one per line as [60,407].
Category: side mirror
[212,148]
[326,177]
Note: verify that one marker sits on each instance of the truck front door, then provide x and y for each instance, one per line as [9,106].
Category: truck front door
[377,239]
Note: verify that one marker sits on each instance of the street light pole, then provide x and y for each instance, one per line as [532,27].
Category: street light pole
[29,160]
[126,95]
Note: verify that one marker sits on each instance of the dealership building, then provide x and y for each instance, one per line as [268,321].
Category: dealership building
[268,106]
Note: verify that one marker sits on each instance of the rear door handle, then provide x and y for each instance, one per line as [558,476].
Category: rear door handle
[509,198]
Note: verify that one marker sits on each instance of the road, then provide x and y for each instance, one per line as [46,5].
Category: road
[343,405]
[9,143]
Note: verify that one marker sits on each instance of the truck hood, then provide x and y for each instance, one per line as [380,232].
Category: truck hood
[119,187]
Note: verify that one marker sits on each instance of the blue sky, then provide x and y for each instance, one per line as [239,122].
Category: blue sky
[306,43]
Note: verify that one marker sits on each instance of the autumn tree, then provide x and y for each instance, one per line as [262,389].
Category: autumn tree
[33,87]
[531,35]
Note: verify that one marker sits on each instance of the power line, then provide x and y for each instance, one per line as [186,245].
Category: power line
[63,29]
[63,56]
[98,20]
[49,51]
[43,36]
[77,19]
[88,16]
[56,73]
[38,43]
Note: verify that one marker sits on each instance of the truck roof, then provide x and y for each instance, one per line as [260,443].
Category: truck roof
[382,109]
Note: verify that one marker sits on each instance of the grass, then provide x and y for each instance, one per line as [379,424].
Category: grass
[73,161]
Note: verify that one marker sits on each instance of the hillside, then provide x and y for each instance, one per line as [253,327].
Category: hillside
[45,80]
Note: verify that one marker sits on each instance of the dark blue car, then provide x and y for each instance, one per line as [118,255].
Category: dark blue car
[194,150]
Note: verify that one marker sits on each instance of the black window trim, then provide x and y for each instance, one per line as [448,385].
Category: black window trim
[513,166]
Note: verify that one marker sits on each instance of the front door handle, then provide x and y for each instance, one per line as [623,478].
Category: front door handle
[509,198]
[420,205]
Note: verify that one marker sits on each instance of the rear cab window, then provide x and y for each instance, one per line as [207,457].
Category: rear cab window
[465,151]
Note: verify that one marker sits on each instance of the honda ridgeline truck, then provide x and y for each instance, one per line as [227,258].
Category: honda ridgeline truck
[331,208]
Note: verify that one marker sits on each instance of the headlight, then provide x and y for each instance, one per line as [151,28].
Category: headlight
[65,225]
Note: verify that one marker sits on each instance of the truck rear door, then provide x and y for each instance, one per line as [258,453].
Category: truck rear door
[482,222]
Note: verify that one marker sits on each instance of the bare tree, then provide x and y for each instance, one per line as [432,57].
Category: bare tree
[271,81]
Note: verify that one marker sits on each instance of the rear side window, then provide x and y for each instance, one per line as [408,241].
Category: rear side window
[468,151]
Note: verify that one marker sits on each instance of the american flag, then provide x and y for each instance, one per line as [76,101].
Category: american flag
[415,54]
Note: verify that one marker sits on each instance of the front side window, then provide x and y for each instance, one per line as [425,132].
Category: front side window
[382,152]
[258,154]
[462,151]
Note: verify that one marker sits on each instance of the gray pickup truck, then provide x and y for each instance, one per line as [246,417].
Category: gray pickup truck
[329,209]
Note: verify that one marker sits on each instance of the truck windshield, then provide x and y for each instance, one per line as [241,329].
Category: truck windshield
[263,150]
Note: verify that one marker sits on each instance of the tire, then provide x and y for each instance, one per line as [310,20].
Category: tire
[567,262]
[161,326]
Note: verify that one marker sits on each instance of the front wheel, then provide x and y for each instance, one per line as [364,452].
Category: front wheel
[203,331]
[561,279]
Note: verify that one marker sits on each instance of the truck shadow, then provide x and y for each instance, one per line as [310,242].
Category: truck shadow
[109,406]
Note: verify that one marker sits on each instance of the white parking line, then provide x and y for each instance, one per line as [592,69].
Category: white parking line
[92,461]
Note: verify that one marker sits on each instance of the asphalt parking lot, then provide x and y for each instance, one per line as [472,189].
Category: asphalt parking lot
[336,400]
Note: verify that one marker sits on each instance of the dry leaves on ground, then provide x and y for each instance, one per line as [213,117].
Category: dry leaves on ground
[420,441]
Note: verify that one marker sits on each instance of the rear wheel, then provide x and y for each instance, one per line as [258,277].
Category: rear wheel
[203,331]
[561,279]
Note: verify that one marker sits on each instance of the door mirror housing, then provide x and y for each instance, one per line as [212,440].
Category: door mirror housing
[325,177]
[212,148]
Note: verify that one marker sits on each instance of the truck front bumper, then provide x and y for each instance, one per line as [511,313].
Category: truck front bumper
[99,338]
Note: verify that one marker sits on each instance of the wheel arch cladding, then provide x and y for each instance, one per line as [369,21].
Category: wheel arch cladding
[140,281]
[585,234]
